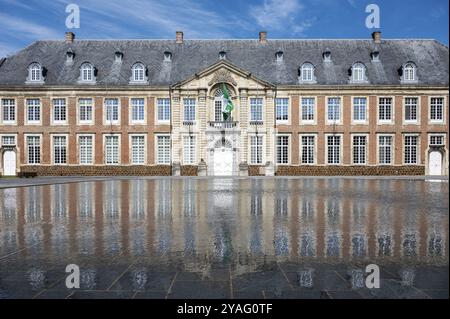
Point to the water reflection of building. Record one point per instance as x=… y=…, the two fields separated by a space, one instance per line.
x=281 y=239
x=333 y=217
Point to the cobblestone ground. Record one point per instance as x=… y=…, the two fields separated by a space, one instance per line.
x=224 y=238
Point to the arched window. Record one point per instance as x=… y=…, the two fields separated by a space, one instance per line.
x=307 y=73
x=409 y=72
x=35 y=72
x=87 y=72
x=138 y=72
x=222 y=55
x=358 y=73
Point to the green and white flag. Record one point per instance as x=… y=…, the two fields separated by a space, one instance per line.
x=227 y=101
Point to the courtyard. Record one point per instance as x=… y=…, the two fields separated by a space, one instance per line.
x=224 y=238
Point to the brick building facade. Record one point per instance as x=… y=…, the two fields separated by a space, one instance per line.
x=154 y=107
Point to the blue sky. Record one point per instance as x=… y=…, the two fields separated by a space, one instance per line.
x=24 y=21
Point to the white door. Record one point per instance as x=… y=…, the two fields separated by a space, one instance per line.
x=9 y=163
x=223 y=161
x=435 y=163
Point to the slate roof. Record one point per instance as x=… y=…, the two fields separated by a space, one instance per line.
x=193 y=56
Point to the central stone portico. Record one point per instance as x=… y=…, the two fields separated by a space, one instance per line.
x=223 y=145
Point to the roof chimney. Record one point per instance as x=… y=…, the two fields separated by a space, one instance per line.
x=263 y=37
x=376 y=36
x=70 y=37
x=179 y=37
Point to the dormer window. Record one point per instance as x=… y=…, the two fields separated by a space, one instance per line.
x=138 y=71
x=70 y=56
x=118 y=56
x=327 y=56
x=167 y=56
x=307 y=73
x=35 y=73
x=279 y=56
x=222 y=55
x=409 y=73
x=375 y=55
x=358 y=73
x=87 y=73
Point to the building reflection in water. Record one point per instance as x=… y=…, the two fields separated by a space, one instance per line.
x=241 y=222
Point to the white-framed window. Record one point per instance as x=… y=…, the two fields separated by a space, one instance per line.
x=35 y=73
x=307 y=73
x=308 y=108
x=282 y=109
x=409 y=72
x=8 y=140
x=359 y=149
x=256 y=149
x=85 y=110
x=86 y=149
x=437 y=139
x=9 y=111
x=138 y=110
x=87 y=72
x=385 y=149
x=33 y=111
x=334 y=110
x=189 y=152
x=163 y=109
x=282 y=149
x=163 y=149
x=59 y=111
x=359 y=109
x=411 y=109
x=189 y=110
x=437 y=109
x=308 y=149
x=411 y=148
x=112 y=111
x=256 y=109
x=138 y=149
x=358 y=73
x=334 y=149
x=218 y=110
x=59 y=149
x=385 y=110
x=112 y=149
x=138 y=71
x=33 y=149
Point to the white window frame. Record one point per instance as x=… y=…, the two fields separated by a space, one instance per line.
x=169 y=113
x=2 y=111
x=307 y=73
x=190 y=151
x=359 y=69
x=261 y=113
x=131 y=136
x=444 y=104
x=27 y=153
x=367 y=149
x=13 y=136
x=137 y=70
x=107 y=122
x=105 y=155
x=189 y=105
x=406 y=79
x=53 y=120
x=92 y=136
x=33 y=122
x=418 y=107
x=52 y=141
x=392 y=153
x=87 y=73
x=392 y=120
x=35 y=73
x=341 y=138
x=289 y=148
x=131 y=111
x=157 y=155
x=366 y=115
x=314 y=106
x=417 y=149
x=288 y=110
x=85 y=122
x=334 y=122
x=315 y=136
x=443 y=135
x=252 y=147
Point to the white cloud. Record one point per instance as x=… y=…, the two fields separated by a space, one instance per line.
x=279 y=15
x=18 y=28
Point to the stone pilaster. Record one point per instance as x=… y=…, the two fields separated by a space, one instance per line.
x=176 y=127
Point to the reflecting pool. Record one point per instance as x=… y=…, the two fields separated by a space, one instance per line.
x=225 y=238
